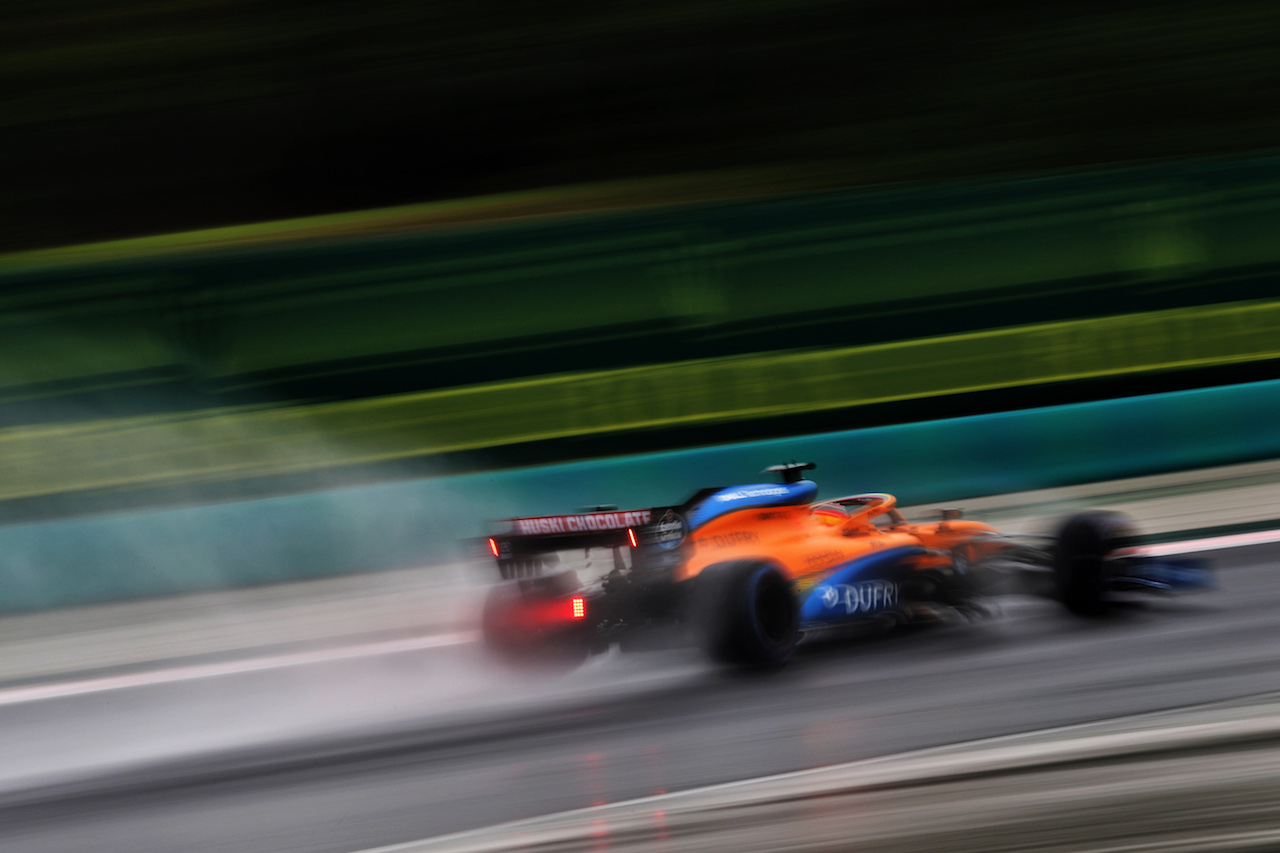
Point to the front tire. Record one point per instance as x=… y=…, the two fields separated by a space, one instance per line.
x=1080 y=559
x=748 y=615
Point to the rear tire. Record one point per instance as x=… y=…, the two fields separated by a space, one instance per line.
x=1079 y=559
x=748 y=615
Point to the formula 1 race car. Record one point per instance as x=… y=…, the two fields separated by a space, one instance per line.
x=749 y=571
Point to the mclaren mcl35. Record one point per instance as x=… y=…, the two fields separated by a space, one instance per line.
x=749 y=572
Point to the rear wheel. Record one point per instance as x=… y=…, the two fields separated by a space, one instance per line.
x=747 y=614
x=1080 y=559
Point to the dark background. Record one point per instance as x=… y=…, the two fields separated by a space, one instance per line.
x=131 y=117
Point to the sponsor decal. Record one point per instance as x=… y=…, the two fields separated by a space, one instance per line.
x=861 y=597
x=589 y=523
x=823 y=558
x=668 y=532
x=757 y=492
x=727 y=540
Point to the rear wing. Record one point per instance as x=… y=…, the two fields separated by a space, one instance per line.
x=523 y=546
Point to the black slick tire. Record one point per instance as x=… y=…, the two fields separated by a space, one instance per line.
x=1080 y=559
x=747 y=615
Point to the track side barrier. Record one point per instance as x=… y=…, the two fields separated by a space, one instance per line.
x=394 y=525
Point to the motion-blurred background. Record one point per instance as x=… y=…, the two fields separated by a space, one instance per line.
x=132 y=118
x=302 y=289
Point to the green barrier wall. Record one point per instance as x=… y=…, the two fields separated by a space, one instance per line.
x=238 y=444
x=100 y=558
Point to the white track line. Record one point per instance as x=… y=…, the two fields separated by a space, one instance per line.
x=77 y=687
x=1213 y=543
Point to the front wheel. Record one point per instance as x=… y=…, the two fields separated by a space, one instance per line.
x=1080 y=559
x=748 y=615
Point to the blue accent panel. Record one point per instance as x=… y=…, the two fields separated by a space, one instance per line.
x=751 y=496
x=857 y=589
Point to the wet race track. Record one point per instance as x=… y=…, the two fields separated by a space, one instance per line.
x=504 y=747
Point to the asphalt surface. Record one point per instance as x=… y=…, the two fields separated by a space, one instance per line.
x=1200 y=779
x=465 y=745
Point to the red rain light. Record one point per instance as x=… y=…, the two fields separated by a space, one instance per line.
x=493 y=546
x=631 y=537
x=547 y=614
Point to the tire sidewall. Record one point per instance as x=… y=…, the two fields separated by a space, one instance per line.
x=735 y=600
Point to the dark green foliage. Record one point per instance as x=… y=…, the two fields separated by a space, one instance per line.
x=133 y=117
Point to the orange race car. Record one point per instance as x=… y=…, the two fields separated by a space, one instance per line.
x=749 y=571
